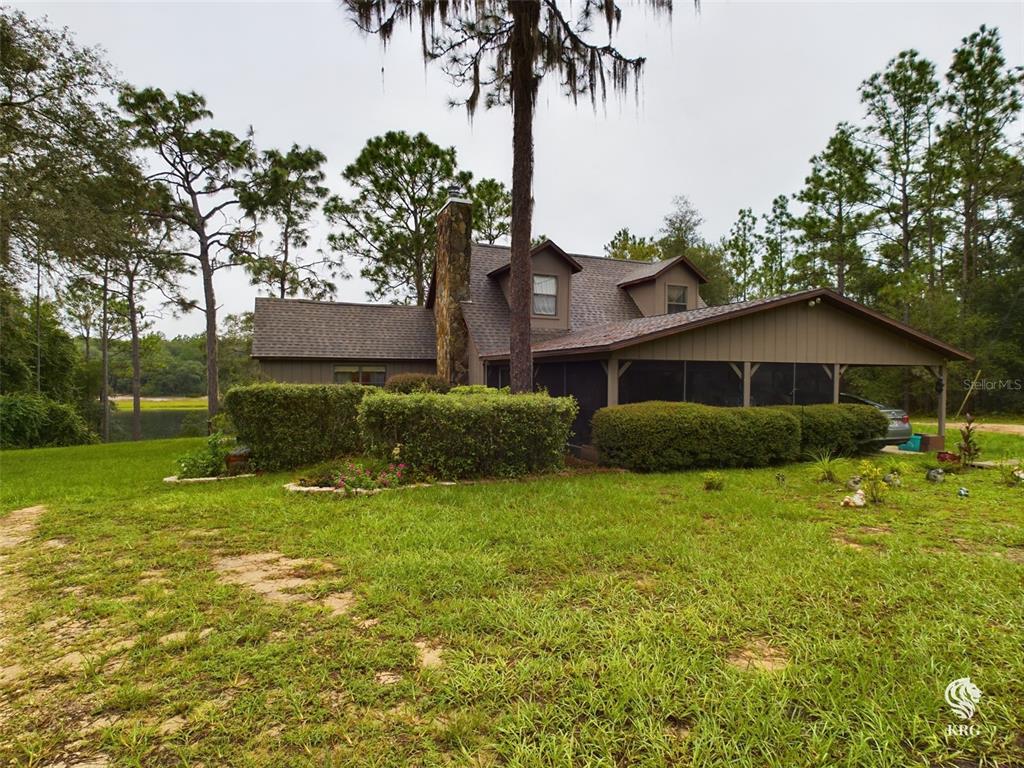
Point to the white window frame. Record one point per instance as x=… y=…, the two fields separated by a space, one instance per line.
x=535 y=294
x=668 y=298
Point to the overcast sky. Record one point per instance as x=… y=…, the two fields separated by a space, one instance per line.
x=734 y=101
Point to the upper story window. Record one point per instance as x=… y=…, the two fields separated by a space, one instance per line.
x=545 y=295
x=676 y=298
x=372 y=375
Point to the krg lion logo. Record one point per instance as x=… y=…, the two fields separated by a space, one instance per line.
x=962 y=695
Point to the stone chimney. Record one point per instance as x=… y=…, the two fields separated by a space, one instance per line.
x=451 y=275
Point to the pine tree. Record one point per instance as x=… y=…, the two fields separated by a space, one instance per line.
x=839 y=197
x=773 y=275
x=200 y=170
x=741 y=246
x=901 y=104
x=501 y=52
x=285 y=188
x=983 y=98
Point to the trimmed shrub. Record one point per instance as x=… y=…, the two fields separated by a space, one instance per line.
x=841 y=430
x=287 y=425
x=661 y=436
x=407 y=383
x=469 y=435
x=33 y=421
x=477 y=389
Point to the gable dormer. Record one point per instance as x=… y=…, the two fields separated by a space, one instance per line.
x=664 y=287
x=552 y=270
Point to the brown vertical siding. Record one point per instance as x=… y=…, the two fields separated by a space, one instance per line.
x=795 y=333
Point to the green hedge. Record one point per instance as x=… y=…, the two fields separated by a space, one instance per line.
x=843 y=430
x=287 y=425
x=661 y=436
x=32 y=421
x=469 y=435
x=416 y=382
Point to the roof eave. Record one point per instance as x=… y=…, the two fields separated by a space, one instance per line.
x=574 y=265
x=681 y=259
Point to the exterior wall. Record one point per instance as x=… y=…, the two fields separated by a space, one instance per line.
x=794 y=333
x=651 y=298
x=477 y=374
x=322 y=371
x=548 y=263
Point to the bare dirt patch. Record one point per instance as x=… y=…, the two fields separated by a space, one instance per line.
x=760 y=656
x=340 y=604
x=677 y=729
x=428 y=654
x=281 y=579
x=842 y=536
x=19 y=526
x=67 y=645
x=388 y=678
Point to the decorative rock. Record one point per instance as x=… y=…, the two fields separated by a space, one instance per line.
x=853 y=483
x=892 y=479
x=935 y=476
x=963 y=493
x=856 y=500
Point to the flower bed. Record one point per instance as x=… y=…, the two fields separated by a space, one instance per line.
x=358 y=477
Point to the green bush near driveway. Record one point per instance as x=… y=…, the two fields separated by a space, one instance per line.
x=33 y=421
x=842 y=430
x=662 y=436
x=469 y=435
x=288 y=425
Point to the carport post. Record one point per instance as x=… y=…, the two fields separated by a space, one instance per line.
x=837 y=374
x=613 y=380
x=941 y=386
x=746 y=384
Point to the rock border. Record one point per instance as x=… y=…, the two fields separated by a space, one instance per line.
x=296 y=488
x=175 y=479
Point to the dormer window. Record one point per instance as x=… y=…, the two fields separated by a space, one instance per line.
x=676 y=298
x=545 y=295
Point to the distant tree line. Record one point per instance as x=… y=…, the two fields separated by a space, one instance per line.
x=111 y=194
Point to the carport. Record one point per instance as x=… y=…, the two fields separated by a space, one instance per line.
x=790 y=350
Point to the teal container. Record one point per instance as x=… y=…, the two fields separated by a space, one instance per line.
x=913 y=444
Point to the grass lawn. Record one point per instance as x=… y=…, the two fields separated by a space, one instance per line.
x=164 y=403
x=598 y=619
x=994 y=445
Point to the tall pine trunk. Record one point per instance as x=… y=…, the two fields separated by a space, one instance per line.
x=905 y=255
x=39 y=326
x=210 y=299
x=105 y=356
x=525 y=17
x=133 y=320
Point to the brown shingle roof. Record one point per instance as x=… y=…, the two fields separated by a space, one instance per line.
x=298 y=328
x=596 y=298
x=651 y=270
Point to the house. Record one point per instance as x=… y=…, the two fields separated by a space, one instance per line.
x=606 y=331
